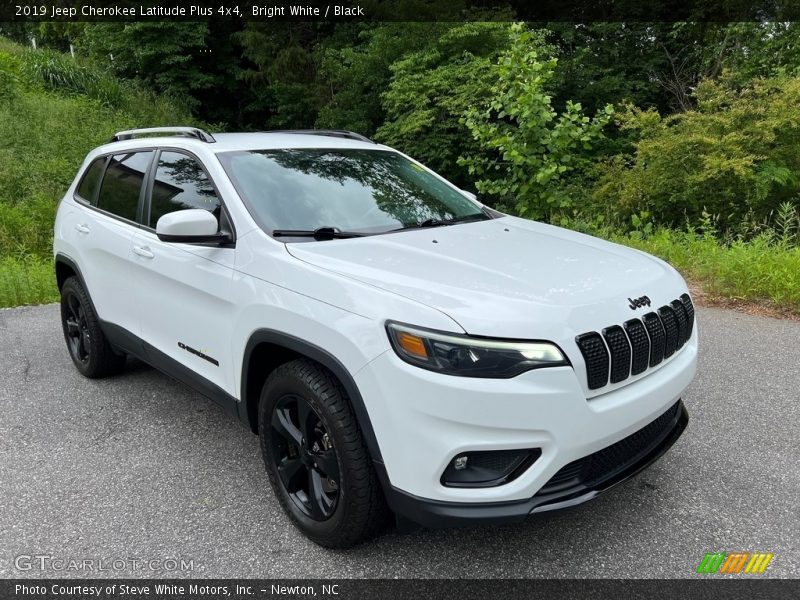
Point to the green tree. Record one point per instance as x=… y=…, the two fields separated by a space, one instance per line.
x=432 y=89
x=530 y=149
x=185 y=60
x=356 y=69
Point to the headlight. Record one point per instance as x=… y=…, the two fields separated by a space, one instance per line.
x=469 y=356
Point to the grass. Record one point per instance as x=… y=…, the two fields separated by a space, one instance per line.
x=28 y=281
x=757 y=271
x=53 y=110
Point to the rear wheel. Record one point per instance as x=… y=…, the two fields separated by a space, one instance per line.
x=316 y=459
x=91 y=353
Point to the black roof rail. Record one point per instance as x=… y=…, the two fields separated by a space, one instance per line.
x=340 y=133
x=194 y=132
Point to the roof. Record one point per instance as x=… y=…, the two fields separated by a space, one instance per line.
x=277 y=140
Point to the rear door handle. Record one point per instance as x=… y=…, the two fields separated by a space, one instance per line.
x=82 y=228
x=143 y=251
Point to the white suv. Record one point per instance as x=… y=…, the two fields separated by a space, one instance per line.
x=396 y=344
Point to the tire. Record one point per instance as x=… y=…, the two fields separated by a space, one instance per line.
x=319 y=470
x=89 y=349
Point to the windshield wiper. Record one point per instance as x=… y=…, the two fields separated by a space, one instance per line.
x=319 y=234
x=441 y=222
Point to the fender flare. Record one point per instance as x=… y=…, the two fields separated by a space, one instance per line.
x=327 y=360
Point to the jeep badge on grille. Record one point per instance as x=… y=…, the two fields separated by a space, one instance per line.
x=639 y=302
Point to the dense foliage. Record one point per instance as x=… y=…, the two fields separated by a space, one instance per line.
x=634 y=130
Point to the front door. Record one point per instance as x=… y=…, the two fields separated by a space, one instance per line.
x=183 y=290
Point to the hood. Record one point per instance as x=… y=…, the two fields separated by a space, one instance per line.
x=505 y=277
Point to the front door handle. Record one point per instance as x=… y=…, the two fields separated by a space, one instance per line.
x=143 y=251
x=81 y=228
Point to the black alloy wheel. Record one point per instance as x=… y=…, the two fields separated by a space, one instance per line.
x=79 y=340
x=304 y=457
x=318 y=464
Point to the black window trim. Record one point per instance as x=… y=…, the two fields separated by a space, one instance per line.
x=146 y=190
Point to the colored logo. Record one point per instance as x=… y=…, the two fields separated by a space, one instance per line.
x=733 y=563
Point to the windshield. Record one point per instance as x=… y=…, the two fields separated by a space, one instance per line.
x=360 y=191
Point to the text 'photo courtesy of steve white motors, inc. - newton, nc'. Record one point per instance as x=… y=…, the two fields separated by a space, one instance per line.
x=125 y=12
x=163 y=590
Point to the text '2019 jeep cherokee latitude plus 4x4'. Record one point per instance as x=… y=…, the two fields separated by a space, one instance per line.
x=395 y=344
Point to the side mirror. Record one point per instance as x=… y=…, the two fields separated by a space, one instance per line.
x=470 y=195
x=190 y=226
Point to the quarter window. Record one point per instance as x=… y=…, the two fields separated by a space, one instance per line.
x=90 y=179
x=181 y=183
x=122 y=183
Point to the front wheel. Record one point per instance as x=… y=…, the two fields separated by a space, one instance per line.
x=316 y=459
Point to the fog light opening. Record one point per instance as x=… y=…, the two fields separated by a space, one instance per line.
x=488 y=468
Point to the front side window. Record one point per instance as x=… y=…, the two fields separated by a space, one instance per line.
x=122 y=183
x=181 y=183
x=91 y=178
x=365 y=191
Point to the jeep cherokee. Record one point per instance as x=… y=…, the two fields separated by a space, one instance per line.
x=397 y=345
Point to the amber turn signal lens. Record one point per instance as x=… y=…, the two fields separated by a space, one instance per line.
x=412 y=344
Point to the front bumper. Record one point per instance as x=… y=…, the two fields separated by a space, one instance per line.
x=561 y=492
x=423 y=419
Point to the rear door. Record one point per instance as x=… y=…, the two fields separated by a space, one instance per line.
x=110 y=196
x=183 y=290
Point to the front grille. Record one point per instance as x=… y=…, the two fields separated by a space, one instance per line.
x=621 y=352
x=591 y=471
x=671 y=327
x=620 y=349
x=640 y=343
x=657 y=335
x=596 y=357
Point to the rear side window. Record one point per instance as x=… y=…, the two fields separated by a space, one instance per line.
x=122 y=183
x=181 y=183
x=91 y=178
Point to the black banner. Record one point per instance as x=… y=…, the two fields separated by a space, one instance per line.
x=403 y=10
x=401 y=589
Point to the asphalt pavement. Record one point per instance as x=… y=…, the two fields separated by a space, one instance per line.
x=140 y=468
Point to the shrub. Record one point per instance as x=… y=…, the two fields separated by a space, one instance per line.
x=735 y=157
x=62 y=73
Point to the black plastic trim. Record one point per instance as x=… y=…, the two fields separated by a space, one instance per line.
x=66 y=260
x=135 y=346
x=219 y=239
x=434 y=513
x=327 y=360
